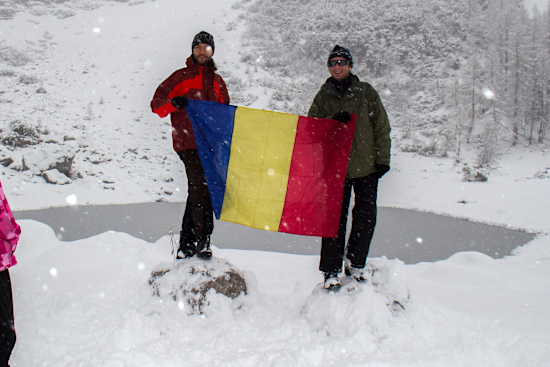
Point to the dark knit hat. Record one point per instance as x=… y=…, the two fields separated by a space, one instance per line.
x=339 y=51
x=203 y=37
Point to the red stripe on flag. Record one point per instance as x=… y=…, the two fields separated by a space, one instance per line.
x=316 y=179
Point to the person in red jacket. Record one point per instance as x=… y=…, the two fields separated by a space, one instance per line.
x=198 y=80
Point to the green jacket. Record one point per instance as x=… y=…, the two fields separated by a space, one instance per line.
x=372 y=143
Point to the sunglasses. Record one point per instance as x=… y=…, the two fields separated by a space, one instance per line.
x=333 y=63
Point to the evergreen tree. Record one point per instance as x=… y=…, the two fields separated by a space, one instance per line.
x=438 y=60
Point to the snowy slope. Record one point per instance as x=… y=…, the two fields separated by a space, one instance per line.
x=100 y=71
x=88 y=303
x=515 y=196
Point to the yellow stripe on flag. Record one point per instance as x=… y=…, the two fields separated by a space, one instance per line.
x=259 y=164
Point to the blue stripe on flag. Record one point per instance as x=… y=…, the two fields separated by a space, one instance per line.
x=213 y=127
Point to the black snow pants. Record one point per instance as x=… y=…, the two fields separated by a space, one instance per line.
x=198 y=219
x=7 y=328
x=333 y=250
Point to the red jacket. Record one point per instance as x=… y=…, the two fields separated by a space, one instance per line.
x=195 y=82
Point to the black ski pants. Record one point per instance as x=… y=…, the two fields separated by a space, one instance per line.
x=198 y=219
x=333 y=250
x=7 y=328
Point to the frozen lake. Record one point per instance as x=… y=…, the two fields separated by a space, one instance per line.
x=409 y=235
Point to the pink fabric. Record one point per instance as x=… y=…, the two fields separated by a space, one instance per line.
x=9 y=233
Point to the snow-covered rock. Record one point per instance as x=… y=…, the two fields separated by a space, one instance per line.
x=53 y=176
x=358 y=307
x=49 y=157
x=474 y=175
x=5 y=157
x=190 y=281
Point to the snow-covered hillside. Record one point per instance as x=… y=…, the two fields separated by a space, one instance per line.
x=88 y=302
x=97 y=72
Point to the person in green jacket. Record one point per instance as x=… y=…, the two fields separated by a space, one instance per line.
x=342 y=95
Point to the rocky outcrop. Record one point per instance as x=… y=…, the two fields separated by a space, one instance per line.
x=49 y=157
x=191 y=280
x=53 y=176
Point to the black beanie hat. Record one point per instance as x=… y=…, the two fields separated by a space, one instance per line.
x=203 y=37
x=339 y=51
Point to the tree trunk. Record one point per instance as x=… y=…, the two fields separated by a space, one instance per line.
x=515 y=128
x=543 y=121
x=473 y=102
x=534 y=75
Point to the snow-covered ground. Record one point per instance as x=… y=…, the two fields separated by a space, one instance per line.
x=89 y=303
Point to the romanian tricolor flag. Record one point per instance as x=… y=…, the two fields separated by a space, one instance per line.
x=270 y=170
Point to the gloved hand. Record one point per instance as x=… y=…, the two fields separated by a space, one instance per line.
x=342 y=116
x=381 y=170
x=179 y=102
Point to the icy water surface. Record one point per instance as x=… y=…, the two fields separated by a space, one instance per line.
x=408 y=235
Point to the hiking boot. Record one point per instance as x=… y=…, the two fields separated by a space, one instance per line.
x=332 y=282
x=359 y=274
x=187 y=248
x=184 y=254
x=204 y=250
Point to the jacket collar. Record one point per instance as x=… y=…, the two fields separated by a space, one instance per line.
x=329 y=88
x=190 y=63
